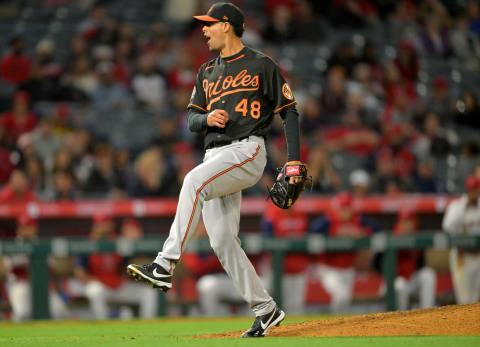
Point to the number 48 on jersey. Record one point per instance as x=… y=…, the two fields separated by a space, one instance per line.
x=253 y=109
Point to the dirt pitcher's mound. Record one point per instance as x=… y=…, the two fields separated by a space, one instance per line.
x=446 y=320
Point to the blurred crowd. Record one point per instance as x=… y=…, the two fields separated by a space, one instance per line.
x=105 y=116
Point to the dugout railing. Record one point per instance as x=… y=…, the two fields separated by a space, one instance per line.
x=40 y=250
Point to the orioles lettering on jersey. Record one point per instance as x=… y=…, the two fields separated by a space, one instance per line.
x=225 y=85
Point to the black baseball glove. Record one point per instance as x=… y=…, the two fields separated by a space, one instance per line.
x=283 y=193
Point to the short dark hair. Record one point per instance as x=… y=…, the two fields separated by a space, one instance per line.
x=239 y=29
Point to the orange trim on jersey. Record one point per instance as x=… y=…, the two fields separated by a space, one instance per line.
x=228 y=93
x=239 y=57
x=199 y=107
x=207 y=182
x=209 y=67
x=278 y=109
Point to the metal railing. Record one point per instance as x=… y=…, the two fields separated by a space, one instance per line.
x=253 y=244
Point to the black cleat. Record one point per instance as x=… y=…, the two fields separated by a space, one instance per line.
x=152 y=273
x=263 y=323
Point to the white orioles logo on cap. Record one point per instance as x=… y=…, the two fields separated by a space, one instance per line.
x=287 y=92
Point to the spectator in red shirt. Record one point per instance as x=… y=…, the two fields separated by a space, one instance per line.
x=182 y=74
x=101 y=274
x=124 y=62
x=291 y=223
x=19 y=120
x=394 y=160
x=352 y=136
x=400 y=94
x=407 y=61
x=413 y=276
x=336 y=270
x=15 y=67
x=403 y=158
x=17 y=189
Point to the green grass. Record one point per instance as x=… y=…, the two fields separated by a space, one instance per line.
x=180 y=332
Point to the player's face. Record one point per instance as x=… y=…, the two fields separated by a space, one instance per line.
x=214 y=33
x=345 y=213
x=407 y=226
x=27 y=232
x=473 y=195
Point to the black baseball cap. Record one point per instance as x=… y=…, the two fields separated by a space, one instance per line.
x=223 y=12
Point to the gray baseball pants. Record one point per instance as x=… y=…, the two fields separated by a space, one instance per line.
x=213 y=189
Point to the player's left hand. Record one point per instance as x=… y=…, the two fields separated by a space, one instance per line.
x=289 y=184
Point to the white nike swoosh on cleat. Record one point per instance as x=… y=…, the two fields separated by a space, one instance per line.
x=150 y=279
x=264 y=326
x=157 y=275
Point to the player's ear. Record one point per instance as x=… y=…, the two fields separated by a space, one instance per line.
x=226 y=26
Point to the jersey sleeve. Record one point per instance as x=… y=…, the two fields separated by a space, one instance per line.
x=277 y=89
x=198 y=99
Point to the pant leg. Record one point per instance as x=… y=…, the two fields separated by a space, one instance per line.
x=97 y=295
x=137 y=293
x=476 y=285
x=58 y=307
x=294 y=288
x=459 y=279
x=402 y=292
x=222 y=217
x=425 y=283
x=225 y=170
x=471 y=272
x=19 y=294
x=213 y=289
x=339 y=285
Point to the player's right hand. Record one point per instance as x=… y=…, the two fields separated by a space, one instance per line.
x=217 y=118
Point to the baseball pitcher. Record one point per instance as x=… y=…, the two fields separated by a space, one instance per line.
x=235 y=98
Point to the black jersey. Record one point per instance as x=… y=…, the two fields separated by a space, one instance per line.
x=249 y=86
